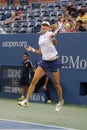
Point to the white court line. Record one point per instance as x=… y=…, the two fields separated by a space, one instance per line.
x=38 y=124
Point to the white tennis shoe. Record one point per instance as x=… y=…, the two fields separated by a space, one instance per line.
x=59 y=106
x=23 y=103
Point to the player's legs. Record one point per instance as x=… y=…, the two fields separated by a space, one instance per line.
x=38 y=74
x=56 y=80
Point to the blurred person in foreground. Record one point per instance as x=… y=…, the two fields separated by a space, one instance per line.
x=49 y=63
x=26 y=75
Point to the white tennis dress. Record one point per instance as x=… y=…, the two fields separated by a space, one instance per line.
x=47 y=48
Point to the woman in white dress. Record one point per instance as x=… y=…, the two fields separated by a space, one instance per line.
x=49 y=63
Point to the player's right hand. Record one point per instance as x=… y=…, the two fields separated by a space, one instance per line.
x=29 y=48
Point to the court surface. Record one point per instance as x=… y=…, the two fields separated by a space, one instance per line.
x=41 y=116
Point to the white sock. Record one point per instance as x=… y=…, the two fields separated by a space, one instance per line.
x=26 y=100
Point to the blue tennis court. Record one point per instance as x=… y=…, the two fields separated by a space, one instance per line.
x=10 y=124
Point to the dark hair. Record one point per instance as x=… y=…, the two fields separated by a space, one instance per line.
x=26 y=54
x=79 y=21
x=81 y=11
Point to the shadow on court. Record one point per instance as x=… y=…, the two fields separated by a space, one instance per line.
x=41 y=116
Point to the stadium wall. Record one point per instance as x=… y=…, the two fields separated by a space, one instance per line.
x=72 y=50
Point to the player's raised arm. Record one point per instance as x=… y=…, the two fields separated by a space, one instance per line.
x=30 y=48
x=53 y=39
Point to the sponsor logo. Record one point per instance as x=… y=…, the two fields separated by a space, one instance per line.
x=70 y=62
x=14 y=44
x=16 y=90
x=14 y=73
x=38 y=97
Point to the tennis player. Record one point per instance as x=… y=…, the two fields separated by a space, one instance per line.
x=49 y=63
